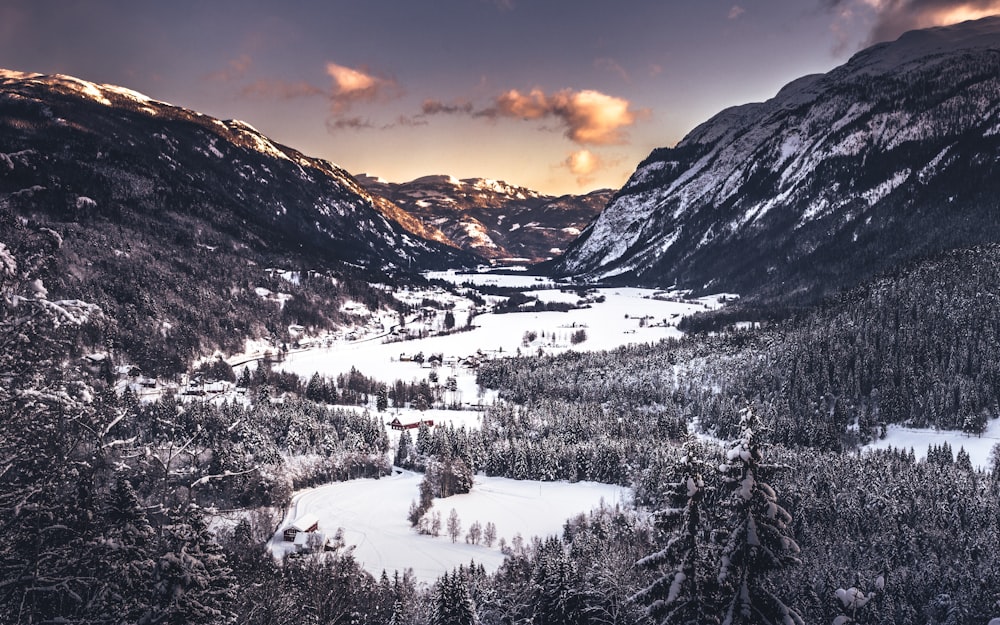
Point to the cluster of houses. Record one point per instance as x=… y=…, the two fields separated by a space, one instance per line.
x=439 y=360
x=131 y=377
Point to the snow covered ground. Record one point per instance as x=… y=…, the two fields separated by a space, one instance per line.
x=979 y=447
x=373 y=513
x=625 y=316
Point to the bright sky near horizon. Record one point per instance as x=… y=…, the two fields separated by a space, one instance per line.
x=561 y=96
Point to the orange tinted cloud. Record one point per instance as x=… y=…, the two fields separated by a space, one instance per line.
x=583 y=164
x=590 y=117
x=352 y=85
x=894 y=17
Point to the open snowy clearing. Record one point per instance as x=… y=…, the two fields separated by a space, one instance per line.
x=625 y=316
x=979 y=447
x=373 y=513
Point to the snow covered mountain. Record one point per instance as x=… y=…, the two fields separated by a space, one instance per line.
x=79 y=148
x=891 y=156
x=191 y=233
x=493 y=218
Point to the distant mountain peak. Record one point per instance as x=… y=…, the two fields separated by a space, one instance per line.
x=493 y=218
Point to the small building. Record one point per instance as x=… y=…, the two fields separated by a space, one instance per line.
x=308 y=522
x=396 y=424
x=145 y=382
x=308 y=542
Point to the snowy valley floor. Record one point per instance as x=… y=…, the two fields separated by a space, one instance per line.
x=373 y=513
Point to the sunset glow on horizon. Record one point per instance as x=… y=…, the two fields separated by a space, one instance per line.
x=560 y=96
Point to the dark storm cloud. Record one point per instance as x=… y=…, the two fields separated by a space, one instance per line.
x=406 y=121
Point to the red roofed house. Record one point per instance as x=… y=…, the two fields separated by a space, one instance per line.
x=396 y=424
x=308 y=522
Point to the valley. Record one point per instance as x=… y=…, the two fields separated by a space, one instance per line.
x=757 y=384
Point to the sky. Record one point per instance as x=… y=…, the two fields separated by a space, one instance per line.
x=561 y=96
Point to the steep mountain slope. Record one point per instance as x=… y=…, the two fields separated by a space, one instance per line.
x=891 y=156
x=123 y=150
x=169 y=220
x=493 y=218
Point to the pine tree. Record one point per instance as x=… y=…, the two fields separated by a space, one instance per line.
x=50 y=441
x=453 y=604
x=444 y=610
x=758 y=542
x=558 y=595
x=423 y=438
x=314 y=389
x=404 y=450
x=192 y=583
x=124 y=561
x=680 y=595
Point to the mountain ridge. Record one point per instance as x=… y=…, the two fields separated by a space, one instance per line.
x=493 y=218
x=169 y=220
x=839 y=176
x=324 y=176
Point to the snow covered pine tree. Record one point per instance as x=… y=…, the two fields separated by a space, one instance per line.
x=678 y=597
x=758 y=543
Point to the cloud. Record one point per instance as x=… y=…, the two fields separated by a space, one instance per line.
x=588 y=117
x=735 y=12
x=436 y=107
x=583 y=164
x=269 y=88
x=406 y=121
x=348 y=123
x=885 y=20
x=612 y=66
x=236 y=69
x=351 y=85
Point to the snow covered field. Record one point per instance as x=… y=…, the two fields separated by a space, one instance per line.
x=625 y=316
x=373 y=513
x=979 y=447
